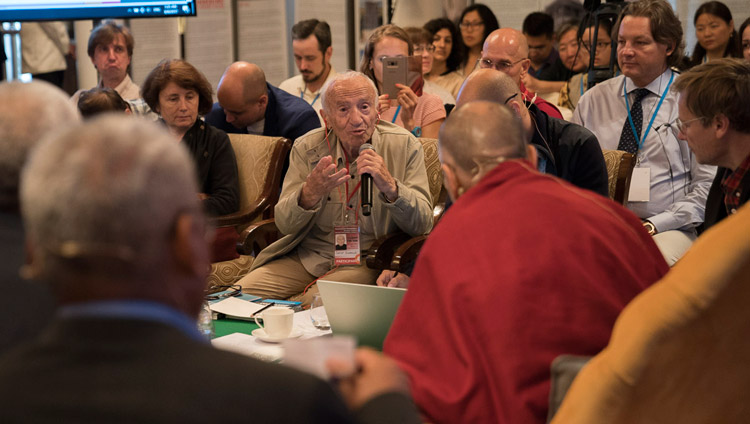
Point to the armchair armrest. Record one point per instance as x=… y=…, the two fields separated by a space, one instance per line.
x=256 y=209
x=406 y=254
x=257 y=237
x=381 y=252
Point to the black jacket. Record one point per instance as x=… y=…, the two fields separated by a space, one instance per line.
x=715 y=209
x=570 y=152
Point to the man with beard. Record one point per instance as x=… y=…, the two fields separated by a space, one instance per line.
x=311 y=42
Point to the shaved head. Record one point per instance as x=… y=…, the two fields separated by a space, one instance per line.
x=509 y=46
x=243 y=94
x=479 y=135
x=488 y=85
x=245 y=78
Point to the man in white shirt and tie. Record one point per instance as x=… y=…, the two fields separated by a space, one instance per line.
x=636 y=112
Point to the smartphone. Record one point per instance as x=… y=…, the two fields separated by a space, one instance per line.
x=395 y=71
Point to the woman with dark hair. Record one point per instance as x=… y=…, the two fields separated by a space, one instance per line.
x=100 y=100
x=180 y=94
x=745 y=34
x=418 y=112
x=476 y=23
x=446 y=58
x=714 y=29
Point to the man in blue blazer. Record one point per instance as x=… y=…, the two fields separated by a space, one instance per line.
x=249 y=105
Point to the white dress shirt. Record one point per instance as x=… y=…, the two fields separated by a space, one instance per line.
x=679 y=185
x=296 y=86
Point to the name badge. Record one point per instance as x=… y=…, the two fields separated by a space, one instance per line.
x=640 y=185
x=346 y=245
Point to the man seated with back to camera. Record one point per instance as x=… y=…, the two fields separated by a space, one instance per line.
x=523 y=268
x=321 y=196
x=563 y=149
x=122 y=244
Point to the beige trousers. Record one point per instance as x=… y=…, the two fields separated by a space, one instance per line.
x=285 y=277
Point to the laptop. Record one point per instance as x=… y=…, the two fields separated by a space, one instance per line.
x=360 y=310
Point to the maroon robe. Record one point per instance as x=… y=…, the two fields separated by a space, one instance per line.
x=524 y=267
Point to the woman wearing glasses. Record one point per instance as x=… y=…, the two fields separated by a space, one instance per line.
x=418 y=112
x=421 y=39
x=745 y=33
x=572 y=56
x=476 y=23
x=578 y=84
x=446 y=58
x=714 y=29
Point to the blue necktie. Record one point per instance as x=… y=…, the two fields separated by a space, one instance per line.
x=628 y=140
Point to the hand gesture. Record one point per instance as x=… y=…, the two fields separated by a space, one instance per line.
x=390 y=278
x=377 y=375
x=321 y=181
x=369 y=162
x=408 y=101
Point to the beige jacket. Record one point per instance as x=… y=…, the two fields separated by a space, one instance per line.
x=404 y=158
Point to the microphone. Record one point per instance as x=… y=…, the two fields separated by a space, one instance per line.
x=365 y=190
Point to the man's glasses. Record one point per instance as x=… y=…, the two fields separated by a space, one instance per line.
x=679 y=126
x=421 y=49
x=500 y=65
x=471 y=25
x=230 y=290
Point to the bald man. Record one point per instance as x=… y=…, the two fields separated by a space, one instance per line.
x=495 y=304
x=506 y=50
x=250 y=105
x=566 y=150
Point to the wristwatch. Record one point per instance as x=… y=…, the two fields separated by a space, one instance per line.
x=417 y=131
x=649 y=227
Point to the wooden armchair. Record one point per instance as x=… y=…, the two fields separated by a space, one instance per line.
x=261 y=234
x=619 y=170
x=260 y=161
x=399 y=251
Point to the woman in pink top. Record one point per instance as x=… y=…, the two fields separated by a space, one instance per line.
x=418 y=112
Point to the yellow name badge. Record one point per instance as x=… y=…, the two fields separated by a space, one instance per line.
x=346 y=245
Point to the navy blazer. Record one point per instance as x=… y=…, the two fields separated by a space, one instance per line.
x=286 y=116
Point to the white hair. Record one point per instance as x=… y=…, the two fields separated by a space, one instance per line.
x=108 y=190
x=345 y=76
x=28 y=112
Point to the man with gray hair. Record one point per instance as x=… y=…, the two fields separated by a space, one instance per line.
x=122 y=244
x=494 y=304
x=321 y=194
x=566 y=150
x=28 y=113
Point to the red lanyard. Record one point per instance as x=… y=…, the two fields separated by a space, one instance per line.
x=349 y=196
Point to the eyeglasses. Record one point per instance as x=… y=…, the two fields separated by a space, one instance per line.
x=683 y=125
x=500 y=65
x=421 y=48
x=471 y=25
x=510 y=98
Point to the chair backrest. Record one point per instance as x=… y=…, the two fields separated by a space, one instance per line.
x=620 y=166
x=434 y=175
x=679 y=351
x=259 y=163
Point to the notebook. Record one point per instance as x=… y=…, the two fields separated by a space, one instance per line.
x=360 y=310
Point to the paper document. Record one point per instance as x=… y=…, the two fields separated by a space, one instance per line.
x=237 y=308
x=247 y=345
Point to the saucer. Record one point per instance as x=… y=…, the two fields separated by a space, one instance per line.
x=261 y=334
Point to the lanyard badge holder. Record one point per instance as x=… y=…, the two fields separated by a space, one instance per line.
x=640 y=181
x=346 y=237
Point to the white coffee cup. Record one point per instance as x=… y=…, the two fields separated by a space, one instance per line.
x=277 y=321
